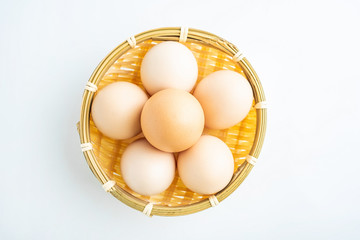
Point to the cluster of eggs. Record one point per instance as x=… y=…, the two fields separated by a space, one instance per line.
x=172 y=120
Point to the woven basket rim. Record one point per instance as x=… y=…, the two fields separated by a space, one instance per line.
x=173 y=34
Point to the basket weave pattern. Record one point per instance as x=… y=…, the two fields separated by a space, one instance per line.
x=123 y=64
x=239 y=138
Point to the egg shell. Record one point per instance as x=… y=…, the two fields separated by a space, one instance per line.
x=147 y=170
x=116 y=110
x=226 y=97
x=207 y=167
x=169 y=65
x=172 y=120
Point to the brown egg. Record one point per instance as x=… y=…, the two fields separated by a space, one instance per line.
x=169 y=65
x=207 y=167
x=147 y=170
x=172 y=120
x=116 y=110
x=226 y=97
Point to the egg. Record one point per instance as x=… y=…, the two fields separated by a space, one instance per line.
x=207 y=167
x=116 y=110
x=226 y=97
x=172 y=120
x=169 y=65
x=147 y=170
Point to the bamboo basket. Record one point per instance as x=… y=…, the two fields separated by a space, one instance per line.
x=123 y=64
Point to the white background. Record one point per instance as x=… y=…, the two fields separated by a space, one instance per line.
x=306 y=184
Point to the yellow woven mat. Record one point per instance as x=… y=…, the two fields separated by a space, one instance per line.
x=239 y=138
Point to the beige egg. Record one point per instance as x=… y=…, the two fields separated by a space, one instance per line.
x=169 y=65
x=147 y=170
x=116 y=110
x=172 y=120
x=226 y=97
x=207 y=167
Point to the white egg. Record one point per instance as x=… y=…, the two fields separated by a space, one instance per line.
x=169 y=65
x=207 y=167
x=226 y=97
x=116 y=110
x=147 y=170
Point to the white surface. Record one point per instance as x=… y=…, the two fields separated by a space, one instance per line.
x=306 y=183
